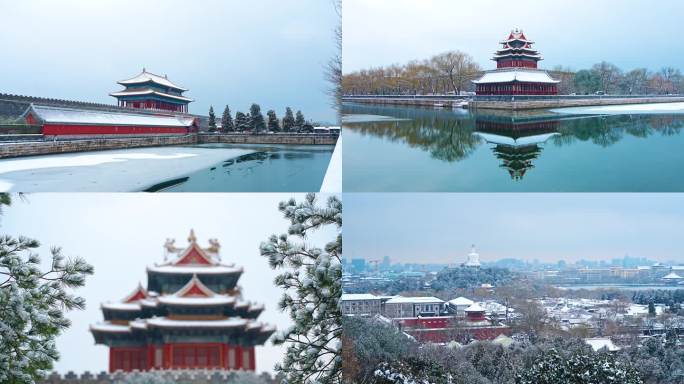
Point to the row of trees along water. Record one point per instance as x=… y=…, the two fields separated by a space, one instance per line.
x=253 y=121
x=453 y=72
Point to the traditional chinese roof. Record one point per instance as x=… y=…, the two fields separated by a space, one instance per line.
x=195 y=260
x=475 y=308
x=522 y=75
x=516 y=142
x=73 y=116
x=672 y=276
x=148 y=77
x=147 y=315
x=461 y=301
x=149 y=91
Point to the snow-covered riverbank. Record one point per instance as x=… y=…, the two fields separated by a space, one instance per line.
x=112 y=171
x=654 y=108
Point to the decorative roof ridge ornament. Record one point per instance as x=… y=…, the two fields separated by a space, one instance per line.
x=192 y=238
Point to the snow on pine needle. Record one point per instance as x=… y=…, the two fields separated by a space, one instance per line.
x=311 y=281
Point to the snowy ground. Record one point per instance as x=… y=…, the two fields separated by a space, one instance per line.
x=655 y=108
x=332 y=182
x=109 y=171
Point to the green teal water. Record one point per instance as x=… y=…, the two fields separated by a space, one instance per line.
x=422 y=149
x=271 y=168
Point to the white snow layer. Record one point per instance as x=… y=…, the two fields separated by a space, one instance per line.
x=332 y=182
x=123 y=170
x=624 y=109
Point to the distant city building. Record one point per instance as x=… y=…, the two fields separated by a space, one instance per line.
x=361 y=304
x=459 y=305
x=150 y=91
x=190 y=316
x=473 y=260
x=399 y=306
x=516 y=70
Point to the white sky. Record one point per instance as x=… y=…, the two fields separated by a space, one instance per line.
x=577 y=33
x=121 y=234
x=269 y=52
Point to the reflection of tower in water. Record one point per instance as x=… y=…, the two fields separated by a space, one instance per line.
x=518 y=141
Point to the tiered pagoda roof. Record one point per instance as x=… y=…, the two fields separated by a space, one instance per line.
x=150 y=91
x=516 y=70
x=189 y=298
x=515 y=46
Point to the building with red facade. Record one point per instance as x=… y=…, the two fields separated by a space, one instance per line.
x=56 y=121
x=474 y=325
x=150 y=91
x=516 y=70
x=190 y=316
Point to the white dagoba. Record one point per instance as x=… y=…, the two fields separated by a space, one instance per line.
x=473 y=260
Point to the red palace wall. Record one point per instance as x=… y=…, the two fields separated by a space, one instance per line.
x=182 y=356
x=440 y=330
x=66 y=129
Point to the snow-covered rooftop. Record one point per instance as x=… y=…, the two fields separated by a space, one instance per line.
x=195 y=269
x=475 y=308
x=214 y=300
x=171 y=323
x=516 y=74
x=461 y=301
x=358 y=296
x=672 y=276
x=597 y=343
x=122 y=306
x=109 y=327
x=149 y=92
x=145 y=77
x=417 y=300
x=60 y=115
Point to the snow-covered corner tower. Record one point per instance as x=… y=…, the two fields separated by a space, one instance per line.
x=190 y=316
x=517 y=71
x=473 y=260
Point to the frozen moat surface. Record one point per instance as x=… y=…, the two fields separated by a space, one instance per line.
x=179 y=168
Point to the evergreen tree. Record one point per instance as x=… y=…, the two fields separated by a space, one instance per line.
x=288 y=120
x=258 y=123
x=651 y=309
x=580 y=368
x=311 y=283
x=212 y=119
x=33 y=303
x=299 y=120
x=273 y=123
x=241 y=122
x=227 y=121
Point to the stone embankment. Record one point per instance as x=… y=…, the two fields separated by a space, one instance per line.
x=511 y=103
x=39 y=145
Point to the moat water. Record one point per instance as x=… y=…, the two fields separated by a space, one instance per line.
x=198 y=168
x=390 y=148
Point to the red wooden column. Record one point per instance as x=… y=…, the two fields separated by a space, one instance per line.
x=252 y=359
x=238 y=357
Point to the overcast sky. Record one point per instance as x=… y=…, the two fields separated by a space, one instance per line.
x=225 y=52
x=440 y=227
x=121 y=234
x=577 y=34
